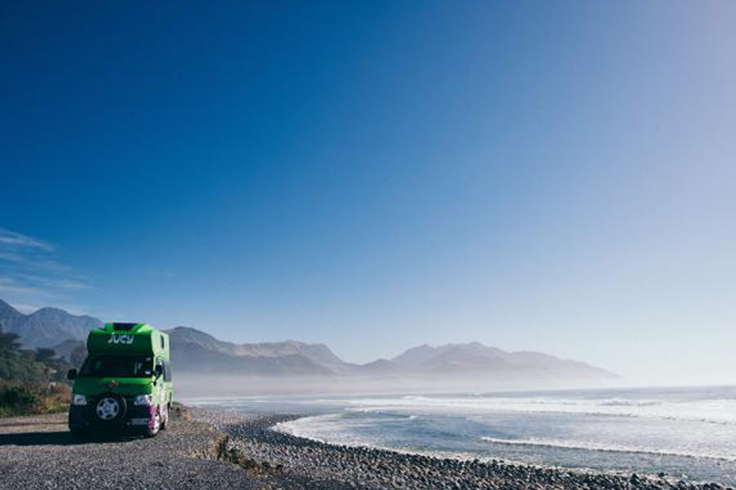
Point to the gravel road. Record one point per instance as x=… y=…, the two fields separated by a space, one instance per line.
x=38 y=452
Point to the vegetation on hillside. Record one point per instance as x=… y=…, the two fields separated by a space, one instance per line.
x=31 y=381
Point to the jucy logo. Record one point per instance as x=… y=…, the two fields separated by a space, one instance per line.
x=120 y=338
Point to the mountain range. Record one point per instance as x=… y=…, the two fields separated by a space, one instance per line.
x=197 y=353
x=45 y=327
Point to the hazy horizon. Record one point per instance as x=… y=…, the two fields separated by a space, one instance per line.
x=375 y=177
x=373 y=385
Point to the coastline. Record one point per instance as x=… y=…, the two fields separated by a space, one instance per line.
x=218 y=449
x=307 y=463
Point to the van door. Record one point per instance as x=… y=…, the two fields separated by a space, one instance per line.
x=167 y=380
x=159 y=391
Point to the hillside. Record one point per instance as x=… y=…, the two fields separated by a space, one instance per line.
x=197 y=352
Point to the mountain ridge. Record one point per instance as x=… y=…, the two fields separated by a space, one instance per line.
x=46 y=326
x=195 y=351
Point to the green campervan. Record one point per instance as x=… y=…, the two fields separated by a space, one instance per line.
x=125 y=382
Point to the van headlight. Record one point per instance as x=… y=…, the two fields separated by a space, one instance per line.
x=143 y=400
x=79 y=400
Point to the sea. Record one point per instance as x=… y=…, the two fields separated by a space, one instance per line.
x=687 y=433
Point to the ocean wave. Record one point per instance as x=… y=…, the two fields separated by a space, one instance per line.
x=330 y=428
x=713 y=411
x=606 y=447
x=335 y=428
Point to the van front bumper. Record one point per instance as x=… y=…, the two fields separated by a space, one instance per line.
x=84 y=418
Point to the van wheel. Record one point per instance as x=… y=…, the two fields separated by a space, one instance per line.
x=152 y=431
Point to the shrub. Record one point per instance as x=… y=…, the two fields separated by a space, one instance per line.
x=24 y=398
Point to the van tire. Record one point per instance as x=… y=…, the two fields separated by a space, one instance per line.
x=122 y=408
x=152 y=432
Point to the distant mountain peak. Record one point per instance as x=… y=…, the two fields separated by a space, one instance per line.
x=46 y=326
x=317 y=353
x=6 y=307
x=181 y=329
x=50 y=311
x=480 y=361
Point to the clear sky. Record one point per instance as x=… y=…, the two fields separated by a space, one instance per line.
x=554 y=176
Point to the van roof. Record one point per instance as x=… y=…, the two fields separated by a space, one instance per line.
x=124 y=325
x=128 y=337
x=131 y=327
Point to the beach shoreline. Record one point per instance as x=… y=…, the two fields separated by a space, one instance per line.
x=300 y=460
x=220 y=449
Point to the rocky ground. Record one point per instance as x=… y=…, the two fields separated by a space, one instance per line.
x=38 y=452
x=216 y=450
x=302 y=463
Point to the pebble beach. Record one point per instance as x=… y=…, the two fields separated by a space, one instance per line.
x=210 y=449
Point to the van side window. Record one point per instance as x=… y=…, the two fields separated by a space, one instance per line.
x=167 y=371
x=162 y=342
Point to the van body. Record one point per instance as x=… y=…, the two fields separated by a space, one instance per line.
x=125 y=381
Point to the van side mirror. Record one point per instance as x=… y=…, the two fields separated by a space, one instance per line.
x=71 y=375
x=158 y=371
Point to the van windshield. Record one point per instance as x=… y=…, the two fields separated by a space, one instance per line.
x=117 y=367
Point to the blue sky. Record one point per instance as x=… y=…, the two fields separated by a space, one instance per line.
x=555 y=176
